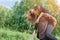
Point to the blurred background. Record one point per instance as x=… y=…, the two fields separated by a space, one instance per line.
x=13 y=23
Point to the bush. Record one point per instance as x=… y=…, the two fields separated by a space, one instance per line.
x=6 y=34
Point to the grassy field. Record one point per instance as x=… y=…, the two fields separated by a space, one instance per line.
x=6 y=34
x=14 y=35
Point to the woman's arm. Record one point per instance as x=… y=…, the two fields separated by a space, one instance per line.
x=37 y=21
x=51 y=19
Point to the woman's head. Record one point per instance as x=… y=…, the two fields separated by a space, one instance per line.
x=35 y=12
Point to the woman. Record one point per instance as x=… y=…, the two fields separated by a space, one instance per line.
x=40 y=17
x=51 y=24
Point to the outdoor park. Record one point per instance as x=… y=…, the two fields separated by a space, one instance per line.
x=13 y=22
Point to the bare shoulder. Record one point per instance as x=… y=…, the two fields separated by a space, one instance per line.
x=50 y=16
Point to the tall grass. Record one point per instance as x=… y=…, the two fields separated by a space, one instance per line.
x=6 y=34
x=13 y=35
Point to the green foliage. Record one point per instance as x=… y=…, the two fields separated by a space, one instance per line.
x=6 y=34
x=3 y=13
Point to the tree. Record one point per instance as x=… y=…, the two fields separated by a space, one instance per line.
x=52 y=5
x=3 y=13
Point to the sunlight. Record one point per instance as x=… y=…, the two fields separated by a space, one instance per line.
x=57 y=2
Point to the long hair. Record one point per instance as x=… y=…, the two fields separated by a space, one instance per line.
x=41 y=9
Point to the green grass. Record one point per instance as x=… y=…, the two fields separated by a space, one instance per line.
x=58 y=37
x=14 y=35
x=6 y=34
